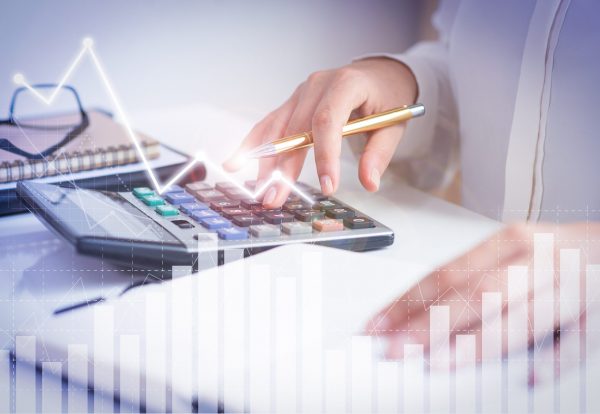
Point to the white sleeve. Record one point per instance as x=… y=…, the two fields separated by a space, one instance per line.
x=428 y=152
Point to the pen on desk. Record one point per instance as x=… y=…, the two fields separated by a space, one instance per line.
x=356 y=126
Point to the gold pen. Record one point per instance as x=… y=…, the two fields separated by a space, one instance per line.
x=356 y=126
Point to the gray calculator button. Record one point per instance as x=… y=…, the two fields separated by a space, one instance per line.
x=297 y=227
x=265 y=230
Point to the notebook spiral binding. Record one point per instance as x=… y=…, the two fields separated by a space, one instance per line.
x=75 y=161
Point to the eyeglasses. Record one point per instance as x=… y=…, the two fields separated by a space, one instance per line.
x=74 y=124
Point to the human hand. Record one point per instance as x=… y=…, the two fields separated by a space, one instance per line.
x=460 y=284
x=323 y=104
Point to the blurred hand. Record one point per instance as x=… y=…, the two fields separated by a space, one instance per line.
x=460 y=284
x=323 y=104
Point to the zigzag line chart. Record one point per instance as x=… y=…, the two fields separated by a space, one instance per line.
x=88 y=50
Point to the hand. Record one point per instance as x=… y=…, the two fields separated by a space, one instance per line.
x=323 y=104
x=461 y=283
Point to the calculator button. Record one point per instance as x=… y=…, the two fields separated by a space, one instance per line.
x=167 y=211
x=250 y=184
x=308 y=215
x=231 y=212
x=210 y=195
x=358 y=223
x=265 y=230
x=223 y=186
x=317 y=195
x=326 y=204
x=198 y=186
x=250 y=203
x=173 y=189
x=221 y=204
x=296 y=227
x=236 y=194
x=339 y=213
x=262 y=211
x=183 y=224
x=187 y=208
x=215 y=223
x=200 y=215
x=153 y=200
x=278 y=217
x=245 y=221
x=140 y=192
x=294 y=205
x=328 y=225
x=292 y=198
x=180 y=198
x=233 y=233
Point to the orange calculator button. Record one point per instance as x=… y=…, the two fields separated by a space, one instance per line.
x=328 y=225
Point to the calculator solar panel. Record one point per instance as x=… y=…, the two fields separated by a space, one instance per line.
x=144 y=226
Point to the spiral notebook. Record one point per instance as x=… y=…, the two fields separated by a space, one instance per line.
x=104 y=143
x=102 y=157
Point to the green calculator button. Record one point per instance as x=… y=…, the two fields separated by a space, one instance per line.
x=167 y=211
x=140 y=192
x=153 y=200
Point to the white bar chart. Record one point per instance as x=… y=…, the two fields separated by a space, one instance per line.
x=491 y=352
x=129 y=350
x=517 y=333
x=260 y=339
x=466 y=355
x=259 y=343
x=78 y=377
x=234 y=356
x=25 y=353
x=181 y=324
x=414 y=367
x=362 y=374
x=286 y=391
x=104 y=384
x=156 y=351
x=388 y=386
x=208 y=366
x=439 y=358
x=336 y=400
x=592 y=362
x=543 y=312
x=51 y=387
x=5 y=380
x=312 y=333
x=570 y=344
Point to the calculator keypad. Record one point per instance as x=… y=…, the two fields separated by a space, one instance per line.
x=226 y=210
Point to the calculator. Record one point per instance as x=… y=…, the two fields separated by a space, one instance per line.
x=144 y=229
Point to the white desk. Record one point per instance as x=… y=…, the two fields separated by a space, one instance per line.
x=40 y=272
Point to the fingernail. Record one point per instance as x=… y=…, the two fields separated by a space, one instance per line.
x=375 y=178
x=326 y=185
x=269 y=196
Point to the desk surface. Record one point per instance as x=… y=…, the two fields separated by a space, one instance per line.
x=40 y=272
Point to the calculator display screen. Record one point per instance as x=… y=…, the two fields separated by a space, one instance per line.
x=105 y=215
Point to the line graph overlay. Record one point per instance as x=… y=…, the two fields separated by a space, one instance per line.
x=87 y=49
